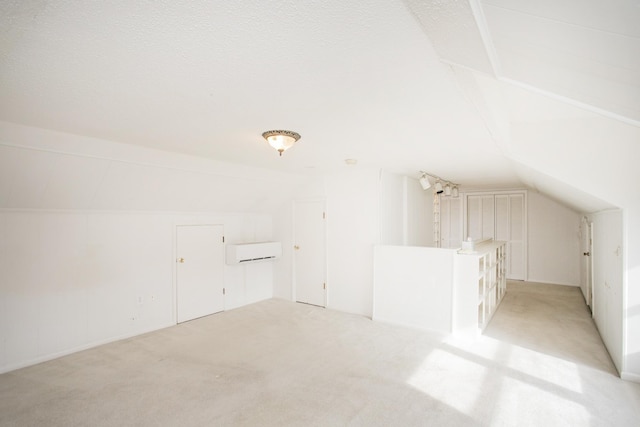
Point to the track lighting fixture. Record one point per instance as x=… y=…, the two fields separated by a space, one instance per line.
x=441 y=186
x=424 y=182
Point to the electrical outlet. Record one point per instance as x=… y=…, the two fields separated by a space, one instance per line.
x=140 y=300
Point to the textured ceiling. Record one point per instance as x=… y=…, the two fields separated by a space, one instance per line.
x=356 y=79
x=400 y=85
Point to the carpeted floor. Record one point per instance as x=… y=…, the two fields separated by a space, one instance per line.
x=276 y=363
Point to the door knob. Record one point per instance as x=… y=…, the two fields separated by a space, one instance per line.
x=296 y=247
x=586 y=253
x=180 y=260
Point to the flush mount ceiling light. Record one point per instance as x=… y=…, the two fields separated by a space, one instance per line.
x=441 y=186
x=281 y=140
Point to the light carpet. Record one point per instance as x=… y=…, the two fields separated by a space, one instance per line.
x=275 y=363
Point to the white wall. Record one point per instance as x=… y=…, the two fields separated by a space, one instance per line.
x=419 y=214
x=631 y=292
x=42 y=169
x=353 y=228
x=406 y=211
x=608 y=287
x=87 y=237
x=71 y=280
x=363 y=206
x=392 y=208
x=554 y=241
x=414 y=287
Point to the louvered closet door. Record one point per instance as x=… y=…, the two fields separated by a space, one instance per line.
x=480 y=217
x=510 y=228
x=501 y=217
x=516 y=256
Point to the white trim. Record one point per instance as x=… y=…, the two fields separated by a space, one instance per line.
x=545 y=282
x=294 y=285
x=629 y=376
x=51 y=356
x=124 y=212
x=205 y=165
x=624 y=296
x=575 y=103
x=485 y=35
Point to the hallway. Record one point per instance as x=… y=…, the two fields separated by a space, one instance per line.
x=552 y=320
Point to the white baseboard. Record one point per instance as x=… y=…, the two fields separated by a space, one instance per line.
x=34 y=361
x=629 y=376
x=542 y=282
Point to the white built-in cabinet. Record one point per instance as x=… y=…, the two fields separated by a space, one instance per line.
x=608 y=281
x=501 y=216
x=483 y=271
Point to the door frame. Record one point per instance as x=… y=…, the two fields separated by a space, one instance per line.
x=174 y=264
x=294 y=285
x=586 y=230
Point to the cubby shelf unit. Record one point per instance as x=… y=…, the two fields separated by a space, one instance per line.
x=449 y=291
x=485 y=268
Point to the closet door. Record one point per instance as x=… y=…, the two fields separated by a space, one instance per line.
x=517 y=255
x=510 y=222
x=309 y=261
x=451 y=222
x=501 y=216
x=480 y=217
x=199 y=271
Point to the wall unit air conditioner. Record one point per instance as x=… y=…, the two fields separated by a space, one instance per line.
x=240 y=253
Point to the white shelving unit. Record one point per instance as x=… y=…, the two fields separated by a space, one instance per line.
x=445 y=290
x=483 y=271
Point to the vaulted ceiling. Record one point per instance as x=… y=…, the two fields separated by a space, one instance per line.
x=496 y=93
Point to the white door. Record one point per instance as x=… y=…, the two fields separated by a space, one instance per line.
x=451 y=222
x=501 y=217
x=510 y=227
x=585 y=271
x=607 y=297
x=480 y=217
x=310 y=252
x=199 y=275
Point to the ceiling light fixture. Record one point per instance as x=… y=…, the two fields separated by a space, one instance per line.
x=424 y=182
x=281 y=140
x=441 y=186
x=438 y=187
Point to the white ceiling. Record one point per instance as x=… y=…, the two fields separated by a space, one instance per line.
x=406 y=86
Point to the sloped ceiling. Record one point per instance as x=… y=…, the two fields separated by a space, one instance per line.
x=406 y=86
x=562 y=93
